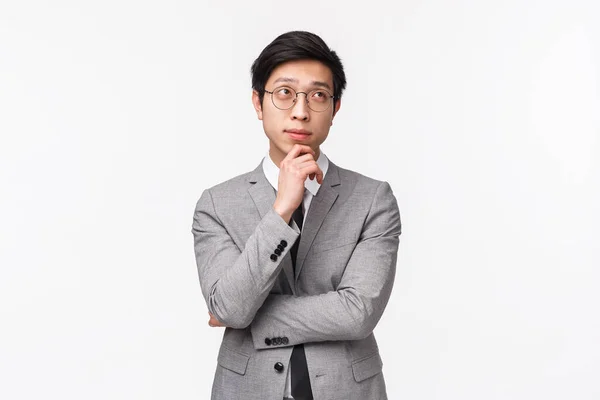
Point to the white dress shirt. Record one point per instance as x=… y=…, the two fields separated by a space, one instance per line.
x=311 y=187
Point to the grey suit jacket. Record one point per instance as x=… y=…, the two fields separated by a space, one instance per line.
x=345 y=269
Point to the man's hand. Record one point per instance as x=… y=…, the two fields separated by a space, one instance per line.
x=215 y=323
x=293 y=171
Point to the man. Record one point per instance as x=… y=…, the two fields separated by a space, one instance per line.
x=297 y=258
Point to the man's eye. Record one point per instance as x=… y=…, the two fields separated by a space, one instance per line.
x=320 y=96
x=283 y=92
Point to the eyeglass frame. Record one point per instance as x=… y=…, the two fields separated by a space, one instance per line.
x=297 y=93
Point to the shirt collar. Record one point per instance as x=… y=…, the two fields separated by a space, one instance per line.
x=272 y=172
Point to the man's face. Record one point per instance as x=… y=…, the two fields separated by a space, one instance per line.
x=301 y=76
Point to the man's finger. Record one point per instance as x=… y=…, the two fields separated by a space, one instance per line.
x=213 y=322
x=297 y=150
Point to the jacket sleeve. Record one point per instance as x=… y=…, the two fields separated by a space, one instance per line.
x=354 y=309
x=235 y=283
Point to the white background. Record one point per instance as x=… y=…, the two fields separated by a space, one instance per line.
x=482 y=115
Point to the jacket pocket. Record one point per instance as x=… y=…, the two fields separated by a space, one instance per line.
x=232 y=360
x=367 y=367
x=331 y=244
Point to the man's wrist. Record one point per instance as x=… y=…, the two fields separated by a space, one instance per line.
x=286 y=215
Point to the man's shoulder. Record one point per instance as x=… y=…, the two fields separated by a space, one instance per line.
x=357 y=179
x=232 y=186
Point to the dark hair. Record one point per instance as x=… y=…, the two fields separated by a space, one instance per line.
x=296 y=45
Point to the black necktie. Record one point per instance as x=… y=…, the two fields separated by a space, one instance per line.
x=298 y=217
x=301 y=389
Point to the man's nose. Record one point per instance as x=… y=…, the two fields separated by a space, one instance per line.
x=300 y=108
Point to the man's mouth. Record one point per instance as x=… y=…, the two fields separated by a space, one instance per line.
x=298 y=133
x=302 y=131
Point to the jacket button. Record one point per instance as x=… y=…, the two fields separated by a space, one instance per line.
x=274 y=257
x=277 y=251
x=280 y=247
x=267 y=341
x=285 y=340
x=278 y=366
x=283 y=243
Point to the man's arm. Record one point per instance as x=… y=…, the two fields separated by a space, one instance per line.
x=235 y=283
x=354 y=309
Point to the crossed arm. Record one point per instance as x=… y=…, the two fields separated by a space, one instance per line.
x=236 y=284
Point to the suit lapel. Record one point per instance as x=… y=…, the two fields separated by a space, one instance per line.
x=318 y=210
x=263 y=195
x=261 y=191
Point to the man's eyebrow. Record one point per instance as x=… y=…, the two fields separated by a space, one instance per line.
x=286 y=79
x=294 y=80
x=322 y=84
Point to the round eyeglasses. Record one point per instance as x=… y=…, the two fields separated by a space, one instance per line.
x=285 y=97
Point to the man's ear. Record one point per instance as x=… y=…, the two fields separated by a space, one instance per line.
x=338 y=104
x=257 y=105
